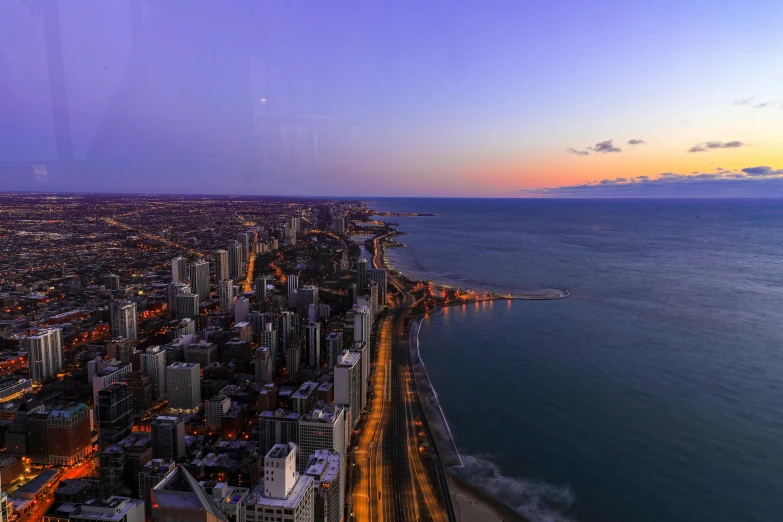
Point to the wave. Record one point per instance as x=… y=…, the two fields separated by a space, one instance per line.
x=536 y=501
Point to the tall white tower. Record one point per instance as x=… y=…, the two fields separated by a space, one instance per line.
x=123 y=319
x=44 y=354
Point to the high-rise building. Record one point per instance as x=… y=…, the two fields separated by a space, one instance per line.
x=214 y=409
x=153 y=364
x=292 y=281
x=261 y=290
x=178 y=496
x=293 y=357
x=187 y=306
x=198 y=274
x=123 y=319
x=362 y=281
x=321 y=429
x=183 y=387
x=226 y=293
x=111 y=281
x=327 y=469
x=141 y=389
x=112 y=467
x=240 y=353
x=303 y=399
x=244 y=331
x=108 y=375
x=179 y=270
x=235 y=260
x=348 y=384
x=281 y=489
x=68 y=434
x=203 y=353
x=44 y=354
x=114 y=412
x=277 y=427
x=313 y=344
x=246 y=240
x=308 y=295
x=221 y=265
x=338 y=224
x=379 y=275
x=361 y=348
x=168 y=437
x=150 y=475
x=175 y=289
x=362 y=326
x=263 y=367
x=241 y=310
x=121 y=350
x=334 y=347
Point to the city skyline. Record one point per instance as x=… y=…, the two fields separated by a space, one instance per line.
x=502 y=100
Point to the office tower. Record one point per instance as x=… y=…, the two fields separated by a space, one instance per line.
x=241 y=310
x=221 y=265
x=293 y=357
x=277 y=427
x=38 y=436
x=269 y=340
x=141 y=389
x=240 y=353
x=243 y=331
x=107 y=376
x=348 y=384
x=282 y=488
x=114 y=412
x=214 y=409
x=246 y=240
x=296 y=224
x=304 y=398
x=44 y=354
x=121 y=350
x=313 y=344
x=338 y=225
x=123 y=319
x=3 y=506
x=292 y=280
x=362 y=326
x=153 y=364
x=261 y=290
x=352 y=294
x=327 y=469
x=187 y=306
x=183 y=387
x=361 y=348
x=226 y=293
x=179 y=497
x=198 y=274
x=68 y=434
x=308 y=295
x=179 y=270
x=334 y=347
x=111 y=281
x=323 y=428
x=168 y=437
x=235 y=262
x=112 y=467
x=362 y=282
x=379 y=275
x=263 y=364
x=175 y=289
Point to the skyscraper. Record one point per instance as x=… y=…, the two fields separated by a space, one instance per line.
x=179 y=267
x=334 y=347
x=313 y=346
x=361 y=275
x=281 y=489
x=323 y=428
x=175 y=289
x=122 y=317
x=328 y=471
x=111 y=281
x=348 y=384
x=226 y=293
x=245 y=239
x=153 y=364
x=292 y=280
x=263 y=360
x=361 y=347
x=362 y=325
x=261 y=291
x=114 y=410
x=187 y=306
x=168 y=437
x=221 y=265
x=183 y=387
x=235 y=260
x=379 y=276
x=44 y=354
x=269 y=340
x=277 y=427
x=308 y=295
x=241 y=310
x=198 y=273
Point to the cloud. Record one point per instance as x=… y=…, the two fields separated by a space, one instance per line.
x=636 y=142
x=605 y=146
x=708 y=145
x=744 y=101
x=751 y=102
x=578 y=152
x=761 y=181
x=762 y=171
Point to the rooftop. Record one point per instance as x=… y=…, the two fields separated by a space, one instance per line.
x=303 y=483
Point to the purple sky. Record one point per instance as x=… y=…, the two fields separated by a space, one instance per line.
x=371 y=98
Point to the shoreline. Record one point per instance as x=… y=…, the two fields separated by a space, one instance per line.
x=470 y=502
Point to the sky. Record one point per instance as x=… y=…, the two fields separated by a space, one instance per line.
x=345 y=98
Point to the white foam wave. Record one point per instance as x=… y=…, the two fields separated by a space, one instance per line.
x=536 y=501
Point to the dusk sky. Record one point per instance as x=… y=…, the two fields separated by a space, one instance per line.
x=432 y=98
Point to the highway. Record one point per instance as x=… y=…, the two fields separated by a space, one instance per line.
x=393 y=480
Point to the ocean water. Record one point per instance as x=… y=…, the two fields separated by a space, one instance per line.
x=653 y=393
